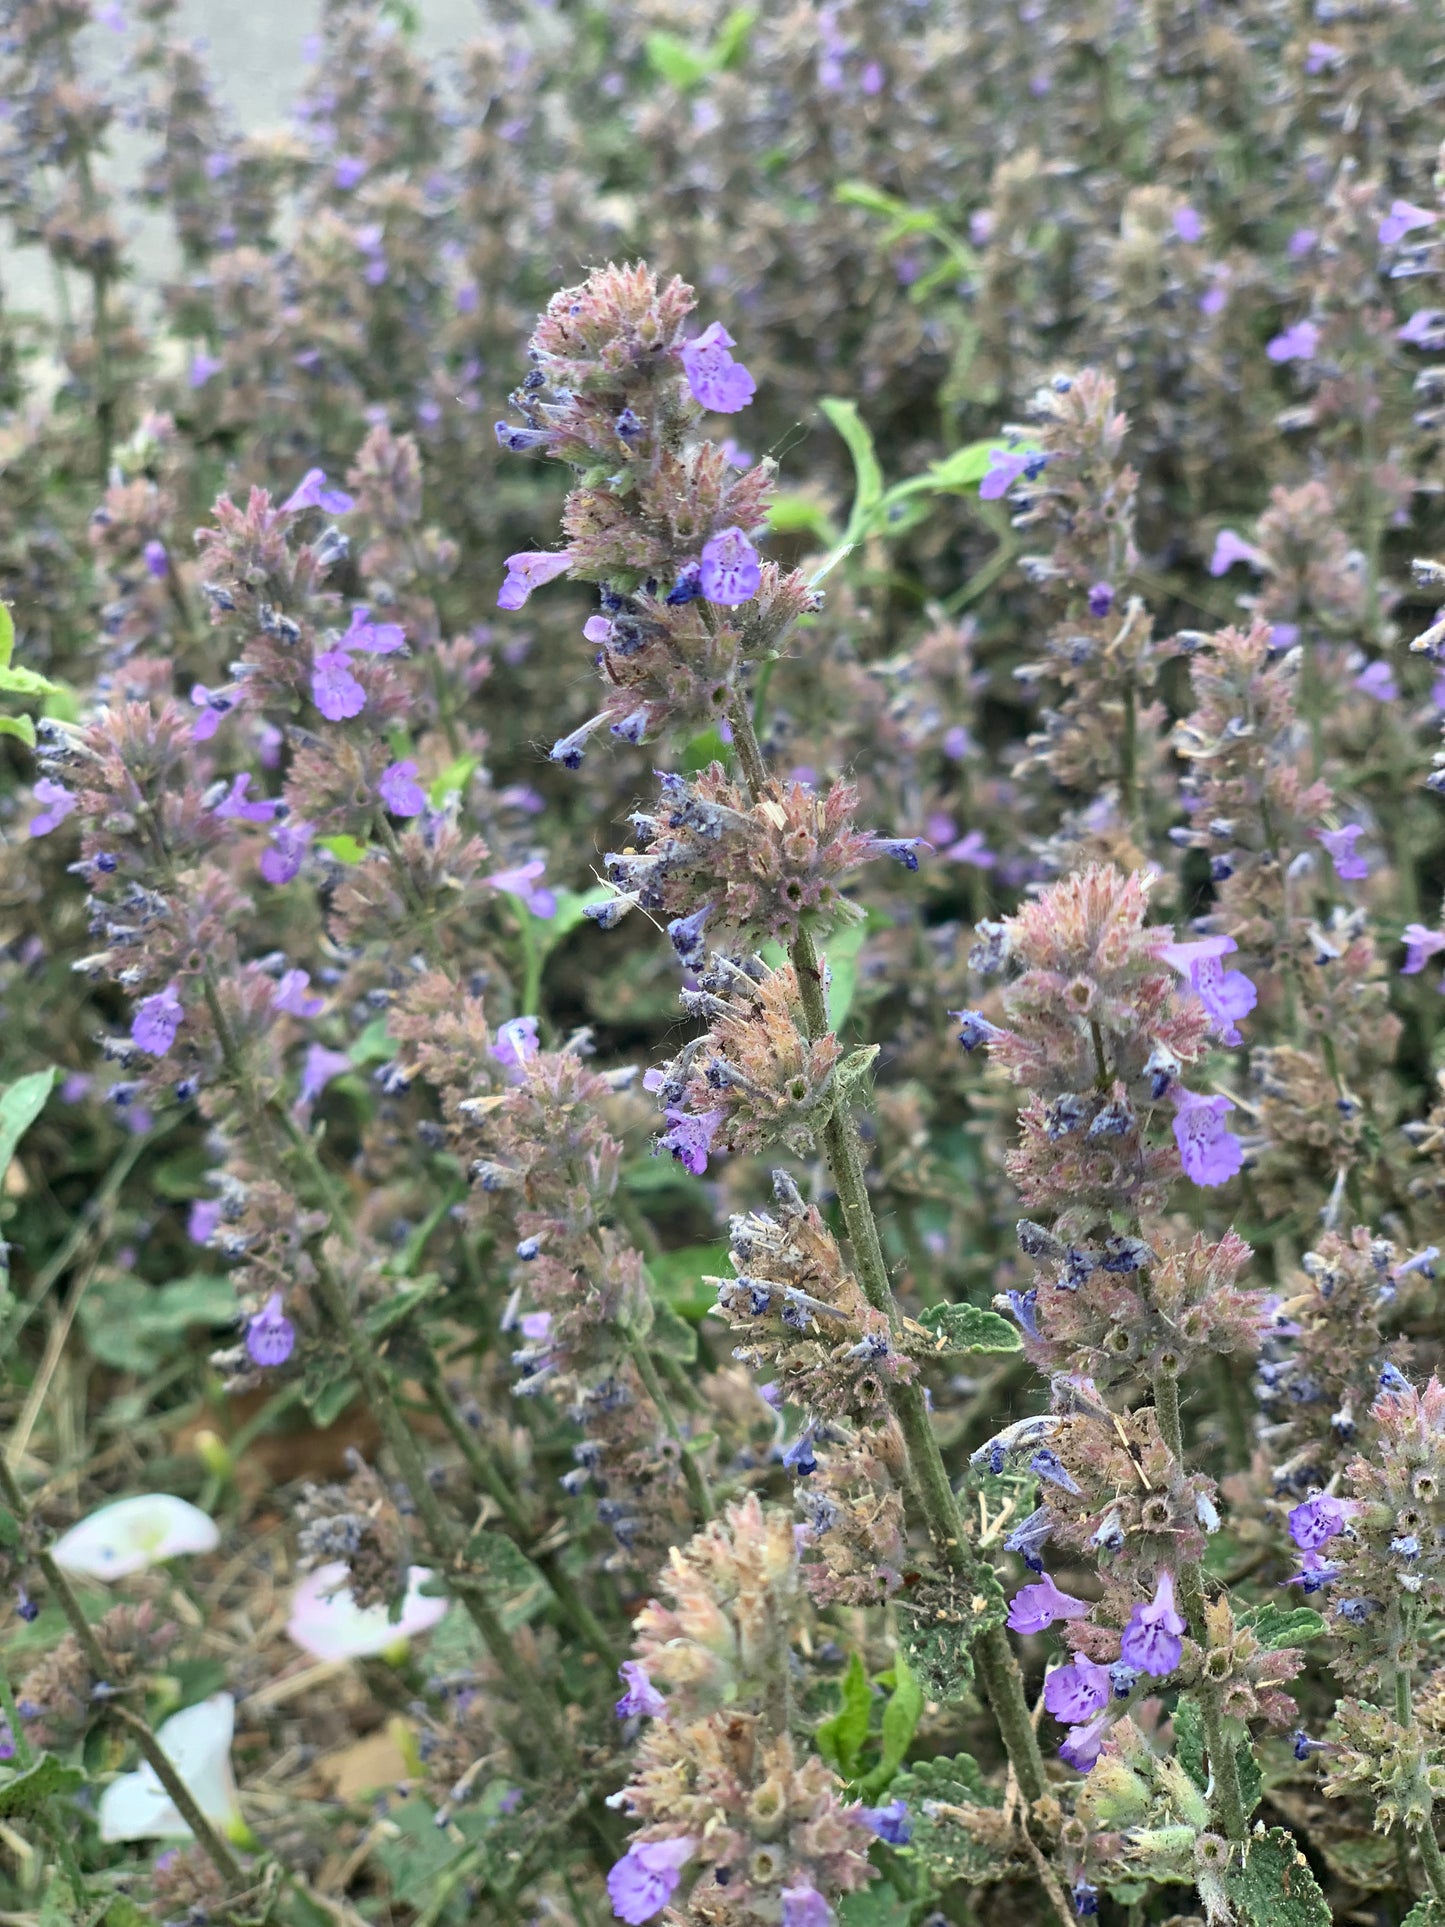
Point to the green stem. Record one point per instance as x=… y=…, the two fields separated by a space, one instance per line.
x=697 y=1486
x=1434 y=1862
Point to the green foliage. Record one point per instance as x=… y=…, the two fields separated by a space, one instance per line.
x=1277 y=1626
x=20 y=1105
x=685 y=67
x=137 y=1327
x=686 y=1278
x=1274 y=1887
x=671 y=1334
x=840 y=1739
x=519 y=1586
x=969 y=1328
x=23 y=1795
x=345 y=849
x=948 y=1804
x=900 y=1722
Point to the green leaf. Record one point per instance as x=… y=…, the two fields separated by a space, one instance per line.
x=685 y=1277
x=969 y=1328
x=671 y=1335
x=26 y=682
x=674 y=61
x=1189 y=1741
x=1428 y=1912
x=327 y=1389
x=395 y=1310
x=868 y=476
x=452 y=781
x=939 y=1794
x=374 y=1046
x=801 y=515
x=900 y=1722
x=9 y=1529
x=841 y=959
x=732 y=38
x=134 y=1326
x=572 y=909
x=20 y=726
x=20 y=1105
x=1276 y=1626
x=1274 y=1887
x=345 y=849
x=7 y=635
x=1251 y=1780
x=877 y=1906
x=520 y=1589
x=966 y=467
x=24 y=1794
x=840 y=1739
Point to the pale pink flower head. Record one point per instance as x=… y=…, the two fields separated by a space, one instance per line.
x=327 y=1622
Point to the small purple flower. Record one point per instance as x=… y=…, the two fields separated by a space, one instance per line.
x=292 y=995
x=203 y=367
x=527 y=570
x=1209 y=1153
x=516 y=1045
x=872 y=78
x=805 y=1907
x=1101 y=600
x=1187 y=224
x=1227 y=995
x=731 y=571
x=335 y=691
x=1314 y=1573
x=1420 y=946
x=399 y=790
x=523 y=882
x=646 y=1877
x=1424 y=329
x=690 y=1137
x=1299 y=343
x=156 y=560
x=1230 y=548
x=716 y=380
x=289 y=844
x=205 y=1215
x=236 y=804
x=1350 y=866
x=1005 y=466
x=1404 y=218
x=56 y=803
x=1378 y=680
x=642 y=1698
x=1321 y=55
x=320 y=1067
x=1076 y=1692
x=270 y=1335
x=890 y=1823
x=349 y=170
x=1151 y=1639
x=1314 y=1523
x=971 y=849
x=372 y=638
x=1301 y=242
x=1082 y=1747
x=156 y=1021
x=312 y=493
x=1033 y=1609
x=213 y=706
x=957 y=743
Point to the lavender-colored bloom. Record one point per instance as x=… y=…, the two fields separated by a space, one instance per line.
x=974 y=1029
x=312 y=493
x=349 y=169
x=527 y=570
x=270 y=1335
x=1314 y=1573
x=957 y=743
x=642 y=1698
x=1299 y=343
x=289 y=844
x=1350 y=866
x=1404 y=218
x=1024 y=1307
x=1315 y=1522
x=56 y=803
x=805 y=1907
x=522 y=881
x=292 y=995
x=890 y=1823
x=1227 y=995
x=516 y=1044
x=730 y=571
x=1082 y=1747
x=335 y=691
x=399 y=790
x=213 y=706
x=1301 y=242
x=1230 y=548
x=320 y=1067
x=1033 y=1609
x=236 y=804
x=1423 y=329
x=1076 y=1692
x=1209 y=1153
x=156 y=1021
x=716 y=380
x=205 y=1215
x=1420 y=946
x=1005 y=466
x=156 y=560
x=1030 y=1536
x=1321 y=55
x=971 y=849
x=372 y=638
x=689 y=1137
x=1187 y=224
x=687 y=935
x=1378 y=680
x=203 y=367
x=646 y=1877
x=1283 y=635
x=1212 y=300
x=1151 y=1639
x=1101 y=600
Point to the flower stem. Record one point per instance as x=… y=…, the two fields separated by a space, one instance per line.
x=1433 y=1859
x=697 y=1486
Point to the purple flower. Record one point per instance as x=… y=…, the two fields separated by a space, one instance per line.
x=205 y=1215
x=1005 y=466
x=320 y=1067
x=1302 y=242
x=235 y=803
x=336 y=692
x=890 y=1823
x=1315 y=1522
x=400 y=791
x=349 y=169
x=971 y=849
x=805 y=1907
x=1420 y=946
x=642 y=1697
x=372 y=638
x=1209 y=1153
x=957 y=743
x=646 y=1877
x=690 y=1137
x=1299 y=343
x=1230 y=548
x=156 y=1021
x=203 y=366
x=56 y=804
x=516 y=1044
x=289 y=844
x=312 y=493
x=872 y=77
x=291 y=995
x=270 y=1335
x=528 y=569
x=1227 y=995
x=522 y=882
x=716 y=380
x=1101 y=600
x=1283 y=635
x=730 y=571
x=1350 y=867
x=1151 y=1639
x=1187 y=224
x=1314 y=1573
x=1033 y=1609
x=1321 y=54
x=1423 y=329
x=1082 y=1747
x=1378 y=680
x=213 y=706
x=1076 y=1692
x=156 y=560
x=1404 y=217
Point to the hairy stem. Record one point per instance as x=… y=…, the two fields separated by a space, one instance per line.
x=692 y=1472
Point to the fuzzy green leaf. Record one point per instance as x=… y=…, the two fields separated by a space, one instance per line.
x=26 y=682
x=1428 y=1912
x=900 y=1722
x=880 y=1905
x=452 y=781
x=20 y=726
x=345 y=849
x=7 y=635
x=25 y=1793
x=940 y=1794
x=840 y=1739
x=20 y=1105
x=969 y=1328
x=674 y=61
x=671 y=1335
x=1274 y=1887
x=1276 y=1626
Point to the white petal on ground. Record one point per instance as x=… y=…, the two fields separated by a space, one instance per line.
x=135 y=1533
x=327 y=1622
x=197 y=1742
